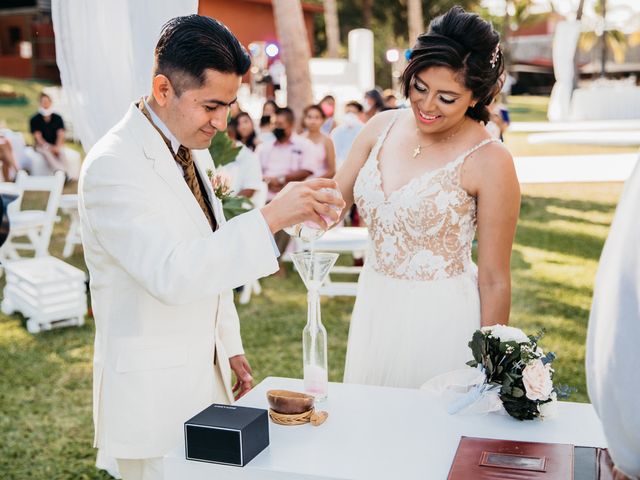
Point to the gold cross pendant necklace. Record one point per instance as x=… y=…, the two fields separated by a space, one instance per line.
x=418 y=150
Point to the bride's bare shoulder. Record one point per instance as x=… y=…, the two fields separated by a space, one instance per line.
x=379 y=122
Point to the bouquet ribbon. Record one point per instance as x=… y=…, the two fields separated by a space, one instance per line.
x=466 y=391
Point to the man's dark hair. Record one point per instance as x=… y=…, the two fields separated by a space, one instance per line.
x=287 y=113
x=190 y=45
x=44 y=95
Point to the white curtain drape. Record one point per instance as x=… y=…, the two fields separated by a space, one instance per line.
x=565 y=42
x=104 y=50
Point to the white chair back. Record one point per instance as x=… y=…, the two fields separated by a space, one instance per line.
x=36 y=225
x=52 y=184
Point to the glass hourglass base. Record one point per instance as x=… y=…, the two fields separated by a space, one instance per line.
x=316 y=382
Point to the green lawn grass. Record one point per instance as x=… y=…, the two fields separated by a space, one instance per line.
x=528 y=108
x=17 y=116
x=45 y=385
x=45 y=379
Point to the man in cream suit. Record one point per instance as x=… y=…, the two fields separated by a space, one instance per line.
x=162 y=259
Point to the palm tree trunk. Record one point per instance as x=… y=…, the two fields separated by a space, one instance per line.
x=414 y=14
x=367 y=13
x=331 y=27
x=295 y=51
x=580 y=10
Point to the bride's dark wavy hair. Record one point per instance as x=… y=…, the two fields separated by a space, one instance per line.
x=469 y=46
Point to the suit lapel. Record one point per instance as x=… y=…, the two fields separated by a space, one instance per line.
x=165 y=166
x=204 y=162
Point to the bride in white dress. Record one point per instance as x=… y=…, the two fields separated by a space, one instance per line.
x=425 y=179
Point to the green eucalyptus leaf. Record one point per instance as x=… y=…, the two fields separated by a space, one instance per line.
x=517 y=392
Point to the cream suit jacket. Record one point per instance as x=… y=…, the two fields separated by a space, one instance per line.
x=161 y=285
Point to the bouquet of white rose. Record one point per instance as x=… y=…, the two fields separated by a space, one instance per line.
x=512 y=374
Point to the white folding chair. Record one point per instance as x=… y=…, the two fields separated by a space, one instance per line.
x=39 y=166
x=69 y=207
x=35 y=225
x=259 y=199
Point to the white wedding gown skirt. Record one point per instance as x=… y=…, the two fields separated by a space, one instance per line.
x=404 y=332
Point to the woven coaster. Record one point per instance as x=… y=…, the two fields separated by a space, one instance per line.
x=291 y=419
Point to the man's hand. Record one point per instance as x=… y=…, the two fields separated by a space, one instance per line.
x=620 y=475
x=303 y=201
x=242 y=369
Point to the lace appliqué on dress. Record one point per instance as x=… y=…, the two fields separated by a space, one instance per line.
x=422 y=231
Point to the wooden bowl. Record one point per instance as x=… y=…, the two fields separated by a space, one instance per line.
x=287 y=402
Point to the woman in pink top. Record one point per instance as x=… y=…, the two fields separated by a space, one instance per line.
x=314 y=117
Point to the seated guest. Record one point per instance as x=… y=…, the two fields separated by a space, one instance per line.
x=244 y=173
x=266 y=129
x=286 y=159
x=269 y=109
x=390 y=99
x=373 y=103
x=245 y=131
x=234 y=110
x=499 y=121
x=48 y=132
x=613 y=363
x=267 y=121
x=328 y=106
x=314 y=118
x=345 y=134
x=7 y=158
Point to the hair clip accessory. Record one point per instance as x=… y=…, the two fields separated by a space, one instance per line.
x=494 y=56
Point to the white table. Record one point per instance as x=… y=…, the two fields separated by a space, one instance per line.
x=381 y=433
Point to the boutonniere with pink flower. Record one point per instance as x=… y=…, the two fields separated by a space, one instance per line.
x=221 y=184
x=232 y=205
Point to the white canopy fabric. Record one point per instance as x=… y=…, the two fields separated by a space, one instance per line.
x=104 y=51
x=565 y=41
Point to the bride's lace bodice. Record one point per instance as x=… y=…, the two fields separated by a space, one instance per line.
x=424 y=229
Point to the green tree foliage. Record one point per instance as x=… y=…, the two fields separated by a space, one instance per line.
x=389 y=24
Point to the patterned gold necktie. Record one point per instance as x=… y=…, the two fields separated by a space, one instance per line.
x=185 y=160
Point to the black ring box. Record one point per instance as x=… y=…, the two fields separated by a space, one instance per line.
x=226 y=434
